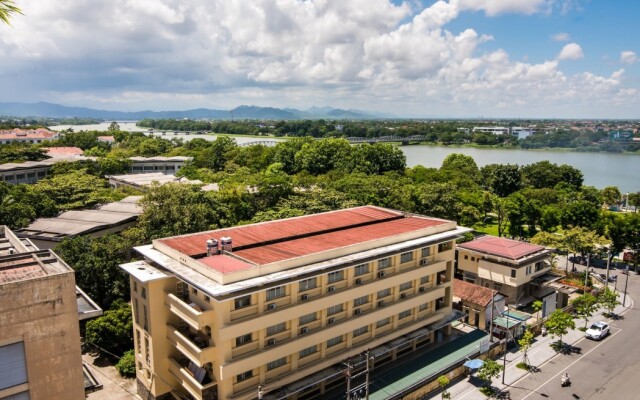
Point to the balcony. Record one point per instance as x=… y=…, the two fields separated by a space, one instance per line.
x=190 y=313
x=196 y=346
x=193 y=379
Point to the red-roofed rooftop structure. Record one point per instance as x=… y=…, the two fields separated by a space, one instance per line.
x=502 y=247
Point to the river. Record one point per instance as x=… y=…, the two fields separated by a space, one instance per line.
x=599 y=169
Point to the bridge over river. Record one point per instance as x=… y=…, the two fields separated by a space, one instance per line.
x=405 y=140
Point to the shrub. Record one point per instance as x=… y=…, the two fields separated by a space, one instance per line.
x=127 y=364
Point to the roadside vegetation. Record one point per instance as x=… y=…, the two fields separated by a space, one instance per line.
x=541 y=202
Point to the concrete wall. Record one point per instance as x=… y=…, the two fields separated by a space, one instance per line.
x=43 y=314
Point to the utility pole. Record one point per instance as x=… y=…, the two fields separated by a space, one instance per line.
x=348 y=374
x=608 y=263
x=493 y=304
x=626 y=281
x=366 y=382
x=586 y=271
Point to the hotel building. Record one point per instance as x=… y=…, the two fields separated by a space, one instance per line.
x=276 y=304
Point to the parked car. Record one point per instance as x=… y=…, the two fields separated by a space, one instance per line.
x=597 y=330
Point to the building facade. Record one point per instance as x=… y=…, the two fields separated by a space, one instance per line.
x=519 y=270
x=218 y=314
x=479 y=303
x=40 y=357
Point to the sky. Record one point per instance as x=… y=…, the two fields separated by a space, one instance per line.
x=428 y=59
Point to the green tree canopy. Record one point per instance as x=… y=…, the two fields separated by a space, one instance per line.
x=113 y=331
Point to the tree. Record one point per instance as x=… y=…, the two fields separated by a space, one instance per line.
x=321 y=156
x=113 y=127
x=525 y=344
x=489 y=370
x=537 y=306
x=502 y=179
x=609 y=299
x=443 y=382
x=7 y=8
x=113 y=331
x=634 y=200
x=611 y=195
x=114 y=164
x=462 y=164
x=558 y=324
x=580 y=213
x=585 y=306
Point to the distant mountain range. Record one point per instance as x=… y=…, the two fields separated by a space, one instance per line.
x=50 y=110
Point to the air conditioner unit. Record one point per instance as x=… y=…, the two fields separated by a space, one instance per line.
x=271 y=342
x=423 y=289
x=381 y=303
x=357 y=311
x=331 y=289
x=403 y=295
x=304 y=297
x=271 y=306
x=424 y=261
x=304 y=330
x=331 y=321
x=358 y=281
x=381 y=274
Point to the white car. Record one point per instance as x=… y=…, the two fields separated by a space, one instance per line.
x=597 y=330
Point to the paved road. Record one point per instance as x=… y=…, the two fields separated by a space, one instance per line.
x=601 y=370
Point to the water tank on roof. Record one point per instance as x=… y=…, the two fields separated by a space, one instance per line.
x=212 y=247
x=226 y=243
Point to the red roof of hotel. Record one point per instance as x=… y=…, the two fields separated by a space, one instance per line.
x=281 y=240
x=39 y=133
x=106 y=138
x=64 y=151
x=502 y=247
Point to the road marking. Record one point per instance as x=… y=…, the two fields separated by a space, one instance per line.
x=567 y=367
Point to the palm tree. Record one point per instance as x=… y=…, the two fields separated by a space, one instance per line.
x=8 y=7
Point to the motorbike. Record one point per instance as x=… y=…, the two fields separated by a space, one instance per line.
x=544 y=331
x=566 y=380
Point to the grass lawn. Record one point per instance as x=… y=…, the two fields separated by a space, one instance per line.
x=489 y=229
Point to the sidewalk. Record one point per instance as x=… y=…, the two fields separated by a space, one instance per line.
x=539 y=353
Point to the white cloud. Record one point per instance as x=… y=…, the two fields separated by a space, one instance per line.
x=366 y=54
x=571 y=51
x=628 y=57
x=561 y=37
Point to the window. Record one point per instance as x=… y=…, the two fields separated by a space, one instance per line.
x=308 y=351
x=336 y=340
x=207 y=299
x=135 y=286
x=496 y=286
x=406 y=285
x=194 y=290
x=425 y=279
x=466 y=257
x=143 y=293
x=272 y=330
x=146 y=322
x=424 y=306
x=244 y=339
x=147 y=353
x=473 y=258
x=406 y=257
x=384 y=263
x=528 y=271
x=136 y=310
x=405 y=314
x=383 y=322
x=138 y=341
x=334 y=310
x=426 y=251
x=335 y=276
x=276 y=292
x=384 y=293
x=242 y=302
x=513 y=273
x=539 y=266
x=13 y=365
x=305 y=319
x=244 y=376
x=360 y=301
x=308 y=284
x=277 y=363
x=361 y=331
x=361 y=269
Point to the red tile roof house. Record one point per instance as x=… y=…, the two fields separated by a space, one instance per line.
x=106 y=139
x=477 y=301
x=519 y=270
x=26 y=136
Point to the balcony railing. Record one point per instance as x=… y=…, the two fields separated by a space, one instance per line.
x=194 y=380
x=190 y=313
x=194 y=345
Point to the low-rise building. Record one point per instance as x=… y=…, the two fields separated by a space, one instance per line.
x=32 y=136
x=46 y=233
x=479 y=303
x=496 y=130
x=517 y=269
x=278 y=304
x=40 y=357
